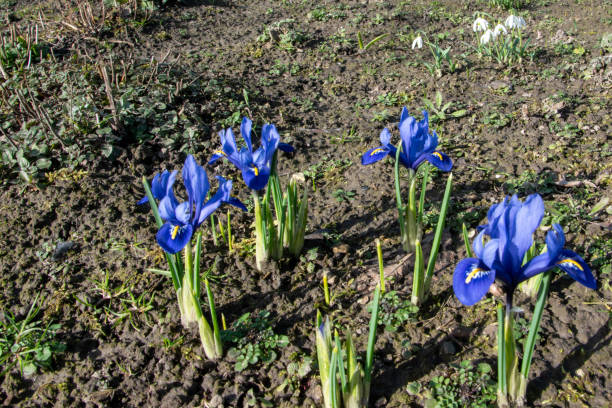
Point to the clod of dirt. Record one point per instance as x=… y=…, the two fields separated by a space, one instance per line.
x=62 y=248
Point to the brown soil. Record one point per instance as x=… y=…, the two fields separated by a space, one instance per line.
x=330 y=101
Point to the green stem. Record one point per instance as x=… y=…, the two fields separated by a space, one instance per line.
x=326 y=289
x=333 y=368
x=466 y=241
x=261 y=250
x=213 y=229
x=381 y=268
x=502 y=385
x=229 y=233
x=422 y=198
x=511 y=362
x=213 y=316
x=343 y=382
x=367 y=378
x=411 y=214
x=433 y=255
x=398 y=194
x=418 y=278
x=196 y=264
x=533 y=332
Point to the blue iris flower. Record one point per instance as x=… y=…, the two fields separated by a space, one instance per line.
x=161 y=186
x=182 y=219
x=255 y=165
x=418 y=145
x=510 y=230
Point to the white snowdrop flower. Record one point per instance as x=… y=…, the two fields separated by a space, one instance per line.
x=480 y=24
x=515 y=22
x=486 y=37
x=499 y=29
x=417 y=43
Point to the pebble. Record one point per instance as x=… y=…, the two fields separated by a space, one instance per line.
x=62 y=248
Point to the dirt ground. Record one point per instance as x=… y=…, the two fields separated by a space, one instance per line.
x=181 y=72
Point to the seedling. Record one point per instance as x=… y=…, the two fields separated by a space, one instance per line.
x=438 y=109
x=363 y=48
x=27 y=343
x=462 y=385
x=254 y=340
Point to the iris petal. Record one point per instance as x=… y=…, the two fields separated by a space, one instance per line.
x=236 y=203
x=228 y=142
x=256 y=179
x=572 y=264
x=538 y=264
x=181 y=212
x=211 y=205
x=404 y=115
x=215 y=157
x=196 y=183
x=471 y=281
x=440 y=160
x=245 y=131
x=555 y=241
x=221 y=196
x=374 y=155
x=385 y=137
x=478 y=244
x=167 y=210
x=526 y=221
x=173 y=241
x=269 y=141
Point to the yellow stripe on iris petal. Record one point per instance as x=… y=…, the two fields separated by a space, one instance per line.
x=571 y=261
x=221 y=152
x=255 y=170
x=473 y=274
x=378 y=150
x=438 y=155
x=174 y=232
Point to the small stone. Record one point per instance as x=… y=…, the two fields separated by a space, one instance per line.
x=340 y=249
x=490 y=331
x=381 y=402
x=216 y=401
x=62 y=248
x=461 y=332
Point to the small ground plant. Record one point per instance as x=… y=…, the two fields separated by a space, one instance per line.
x=462 y=386
x=26 y=343
x=254 y=340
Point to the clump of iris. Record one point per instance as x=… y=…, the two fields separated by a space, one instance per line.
x=258 y=172
x=256 y=166
x=505 y=252
x=416 y=151
x=178 y=224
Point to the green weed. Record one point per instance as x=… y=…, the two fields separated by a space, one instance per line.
x=254 y=340
x=27 y=343
x=463 y=386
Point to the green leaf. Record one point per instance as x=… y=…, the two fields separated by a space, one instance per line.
x=43 y=163
x=29 y=369
x=599 y=206
x=43 y=354
x=413 y=388
x=282 y=341
x=484 y=368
